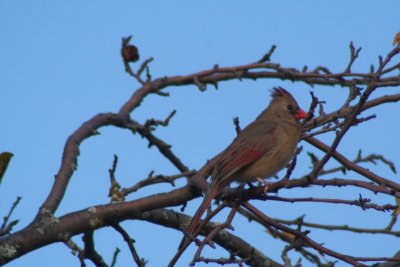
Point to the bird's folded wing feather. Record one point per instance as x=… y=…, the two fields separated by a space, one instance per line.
x=243 y=152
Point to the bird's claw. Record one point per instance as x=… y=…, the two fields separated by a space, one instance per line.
x=264 y=183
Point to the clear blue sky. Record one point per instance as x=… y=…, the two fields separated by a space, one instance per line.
x=60 y=65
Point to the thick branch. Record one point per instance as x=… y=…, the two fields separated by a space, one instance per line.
x=269 y=71
x=50 y=230
x=228 y=241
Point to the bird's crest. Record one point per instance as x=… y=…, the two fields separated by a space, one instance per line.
x=279 y=92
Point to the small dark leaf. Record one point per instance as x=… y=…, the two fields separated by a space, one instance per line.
x=5 y=159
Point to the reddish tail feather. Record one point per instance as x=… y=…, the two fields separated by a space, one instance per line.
x=195 y=227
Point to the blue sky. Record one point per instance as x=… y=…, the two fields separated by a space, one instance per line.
x=60 y=65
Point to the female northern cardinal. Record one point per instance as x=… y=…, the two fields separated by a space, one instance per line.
x=263 y=148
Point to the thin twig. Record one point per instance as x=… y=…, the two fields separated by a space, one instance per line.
x=354 y=167
x=89 y=252
x=267 y=56
x=76 y=250
x=6 y=227
x=114 y=191
x=129 y=241
x=353 y=56
x=303 y=237
x=156 y=179
x=208 y=239
x=300 y=221
x=115 y=257
x=363 y=203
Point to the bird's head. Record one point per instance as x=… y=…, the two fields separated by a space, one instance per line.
x=284 y=105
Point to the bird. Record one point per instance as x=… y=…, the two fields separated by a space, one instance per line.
x=260 y=150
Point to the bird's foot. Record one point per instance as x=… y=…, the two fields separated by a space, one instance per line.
x=264 y=183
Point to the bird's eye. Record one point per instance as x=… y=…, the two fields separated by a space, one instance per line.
x=289 y=107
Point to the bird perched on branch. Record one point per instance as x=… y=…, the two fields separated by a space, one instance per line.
x=259 y=151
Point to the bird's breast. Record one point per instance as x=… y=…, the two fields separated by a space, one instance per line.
x=272 y=161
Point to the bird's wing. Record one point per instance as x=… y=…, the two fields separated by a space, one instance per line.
x=240 y=157
x=244 y=150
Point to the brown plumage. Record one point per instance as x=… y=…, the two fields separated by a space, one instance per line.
x=259 y=151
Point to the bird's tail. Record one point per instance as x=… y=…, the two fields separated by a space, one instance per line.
x=195 y=226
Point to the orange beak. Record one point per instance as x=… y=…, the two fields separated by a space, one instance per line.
x=300 y=114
